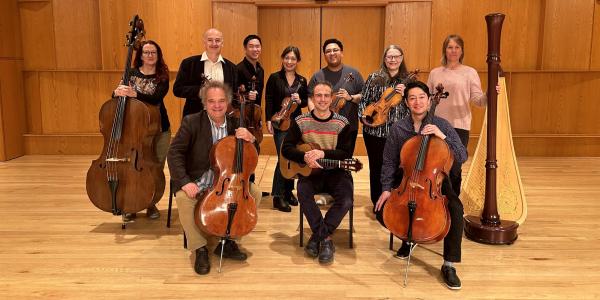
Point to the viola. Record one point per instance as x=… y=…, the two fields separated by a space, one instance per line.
x=338 y=102
x=282 y=119
x=376 y=114
x=228 y=210
x=252 y=114
x=416 y=211
x=127 y=176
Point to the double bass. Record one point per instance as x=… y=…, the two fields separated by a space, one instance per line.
x=127 y=176
x=228 y=210
x=416 y=211
x=376 y=114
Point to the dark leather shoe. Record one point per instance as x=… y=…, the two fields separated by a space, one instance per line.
x=202 y=265
x=265 y=194
x=450 y=278
x=280 y=204
x=326 y=253
x=403 y=252
x=152 y=212
x=312 y=247
x=231 y=250
x=291 y=199
x=128 y=217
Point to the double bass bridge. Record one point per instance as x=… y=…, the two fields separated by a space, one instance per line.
x=116 y=159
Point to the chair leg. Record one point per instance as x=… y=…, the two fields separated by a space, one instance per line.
x=351 y=217
x=391 y=241
x=301 y=226
x=170 y=203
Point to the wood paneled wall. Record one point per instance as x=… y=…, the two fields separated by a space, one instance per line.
x=73 y=53
x=12 y=106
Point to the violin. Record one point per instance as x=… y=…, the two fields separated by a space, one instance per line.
x=127 y=176
x=282 y=119
x=228 y=210
x=253 y=114
x=376 y=114
x=338 y=102
x=416 y=211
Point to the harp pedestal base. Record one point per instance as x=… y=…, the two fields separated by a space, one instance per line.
x=503 y=234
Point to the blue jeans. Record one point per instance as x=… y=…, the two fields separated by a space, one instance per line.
x=281 y=185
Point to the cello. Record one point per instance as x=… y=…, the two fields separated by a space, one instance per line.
x=228 y=210
x=416 y=211
x=376 y=114
x=127 y=176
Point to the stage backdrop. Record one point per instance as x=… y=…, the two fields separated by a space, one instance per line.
x=60 y=59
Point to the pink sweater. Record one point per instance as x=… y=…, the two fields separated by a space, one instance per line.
x=464 y=85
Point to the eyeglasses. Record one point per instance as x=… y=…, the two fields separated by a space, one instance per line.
x=149 y=53
x=334 y=50
x=393 y=57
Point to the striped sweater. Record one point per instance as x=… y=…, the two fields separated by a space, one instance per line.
x=333 y=135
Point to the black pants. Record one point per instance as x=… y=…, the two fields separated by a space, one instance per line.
x=456 y=170
x=452 y=241
x=374 y=147
x=339 y=185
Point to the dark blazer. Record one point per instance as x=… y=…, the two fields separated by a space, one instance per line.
x=187 y=84
x=188 y=155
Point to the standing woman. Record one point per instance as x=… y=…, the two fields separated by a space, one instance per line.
x=464 y=86
x=285 y=83
x=393 y=71
x=149 y=80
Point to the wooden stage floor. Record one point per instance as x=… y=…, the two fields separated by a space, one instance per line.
x=56 y=245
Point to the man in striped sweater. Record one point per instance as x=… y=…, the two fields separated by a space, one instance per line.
x=333 y=134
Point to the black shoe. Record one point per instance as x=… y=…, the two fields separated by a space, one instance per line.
x=312 y=247
x=152 y=212
x=265 y=194
x=403 y=252
x=128 y=217
x=231 y=250
x=326 y=254
x=202 y=265
x=450 y=278
x=280 y=204
x=291 y=199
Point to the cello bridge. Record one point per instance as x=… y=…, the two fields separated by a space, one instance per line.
x=416 y=185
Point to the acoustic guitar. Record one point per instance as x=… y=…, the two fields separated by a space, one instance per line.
x=291 y=169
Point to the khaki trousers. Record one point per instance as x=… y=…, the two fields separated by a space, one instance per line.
x=185 y=206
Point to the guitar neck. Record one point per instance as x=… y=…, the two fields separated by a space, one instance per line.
x=330 y=163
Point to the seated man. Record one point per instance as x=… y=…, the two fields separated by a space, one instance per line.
x=190 y=168
x=418 y=102
x=334 y=136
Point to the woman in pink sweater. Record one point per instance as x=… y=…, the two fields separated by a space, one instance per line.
x=464 y=86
